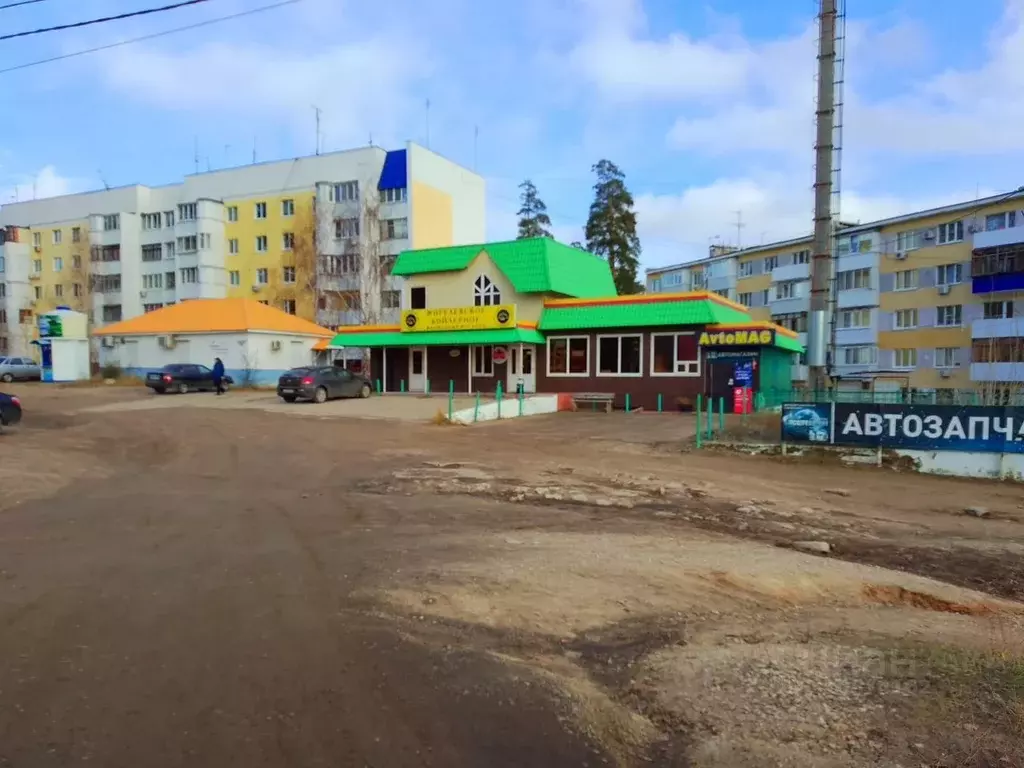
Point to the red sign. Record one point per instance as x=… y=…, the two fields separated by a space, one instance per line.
x=499 y=355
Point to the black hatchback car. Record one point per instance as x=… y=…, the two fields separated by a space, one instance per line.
x=10 y=410
x=183 y=378
x=320 y=384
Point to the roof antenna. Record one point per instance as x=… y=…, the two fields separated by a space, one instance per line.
x=102 y=178
x=195 y=154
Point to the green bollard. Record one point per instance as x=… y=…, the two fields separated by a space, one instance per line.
x=497 y=396
x=426 y=387
x=378 y=386
x=721 y=414
x=627 y=403
x=401 y=386
x=451 y=398
x=659 y=402
x=711 y=417
x=521 y=398
x=476 y=408
x=698 y=420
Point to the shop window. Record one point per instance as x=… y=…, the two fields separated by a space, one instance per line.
x=619 y=355
x=483 y=361
x=569 y=356
x=675 y=354
x=418 y=298
x=485 y=293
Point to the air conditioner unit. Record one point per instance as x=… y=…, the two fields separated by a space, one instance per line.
x=275 y=345
x=943 y=290
x=37 y=248
x=108 y=341
x=168 y=342
x=256 y=288
x=945 y=374
x=901 y=255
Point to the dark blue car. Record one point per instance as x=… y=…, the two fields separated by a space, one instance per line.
x=10 y=410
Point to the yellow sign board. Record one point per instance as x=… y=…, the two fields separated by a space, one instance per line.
x=737 y=338
x=460 y=318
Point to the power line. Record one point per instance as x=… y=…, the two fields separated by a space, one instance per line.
x=22 y=2
x=77 y=24
x=153 y=36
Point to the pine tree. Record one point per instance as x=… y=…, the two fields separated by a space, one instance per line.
x=611 y=227
x=578 y=244
x=533 y=214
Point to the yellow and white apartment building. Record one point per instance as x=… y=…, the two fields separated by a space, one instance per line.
x=290 y=233
x=933 y=300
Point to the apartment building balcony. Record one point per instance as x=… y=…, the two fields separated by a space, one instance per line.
x=998 y=328
x=998 y=237
x=186 y=291
x=791 y=272
x=333 y=282
x=798 y=372
x=855 y=336
x=851 y=261
x=857 y=297
x=332 y=317
x=721 y=282
x=997 y=372
x=791 y=306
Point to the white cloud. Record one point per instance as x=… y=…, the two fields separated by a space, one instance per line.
x=47 y=182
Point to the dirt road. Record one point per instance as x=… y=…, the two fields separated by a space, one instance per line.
x=226 y=587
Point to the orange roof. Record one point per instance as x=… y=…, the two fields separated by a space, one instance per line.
x=214 y=316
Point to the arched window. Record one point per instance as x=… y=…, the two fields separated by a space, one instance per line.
x=485 y=293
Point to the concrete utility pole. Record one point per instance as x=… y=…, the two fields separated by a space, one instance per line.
x=821 y=263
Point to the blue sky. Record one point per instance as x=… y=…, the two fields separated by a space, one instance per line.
x=706 y=106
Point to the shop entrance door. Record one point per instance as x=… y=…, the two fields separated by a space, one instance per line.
x=521 y=368
x=417 y=369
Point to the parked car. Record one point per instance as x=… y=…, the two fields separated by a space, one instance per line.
x=320 y=384
x=183 y=378
x=10 y=410
x=20 y=369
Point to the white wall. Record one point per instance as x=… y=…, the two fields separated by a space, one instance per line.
x=467 y=189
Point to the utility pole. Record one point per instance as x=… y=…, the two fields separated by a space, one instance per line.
x=316 y=111
x=821 y=262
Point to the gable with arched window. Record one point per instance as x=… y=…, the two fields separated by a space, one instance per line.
x=485 y=292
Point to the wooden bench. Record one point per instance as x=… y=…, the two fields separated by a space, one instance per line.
x=593 y=399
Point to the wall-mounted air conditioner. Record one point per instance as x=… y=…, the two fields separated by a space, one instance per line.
x=275 y=345
x=945 y=374
x=168 y=342
x=943 y=290
x=256 y=288
x=108 y=341
x=901 y=255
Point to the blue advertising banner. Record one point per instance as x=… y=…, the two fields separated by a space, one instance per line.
x=990 y=429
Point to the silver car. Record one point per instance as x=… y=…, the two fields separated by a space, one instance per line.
x=19 y=368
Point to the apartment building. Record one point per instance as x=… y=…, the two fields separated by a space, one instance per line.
x=298 y=234
x=930 y=300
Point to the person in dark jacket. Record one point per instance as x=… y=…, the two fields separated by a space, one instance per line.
x=218 y=375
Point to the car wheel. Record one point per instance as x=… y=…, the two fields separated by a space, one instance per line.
x=288 y=398
x=159 y=390
x=320 y=396
x=7 y=378
x=182 y=388
x=365 y=391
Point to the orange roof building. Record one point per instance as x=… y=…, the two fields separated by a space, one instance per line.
x=214 y=316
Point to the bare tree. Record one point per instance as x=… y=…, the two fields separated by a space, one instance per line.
x=304 y=258
x=78 y=290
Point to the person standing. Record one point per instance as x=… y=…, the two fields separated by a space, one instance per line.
x=218 y=375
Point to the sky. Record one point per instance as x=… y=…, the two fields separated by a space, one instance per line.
x=706 y=106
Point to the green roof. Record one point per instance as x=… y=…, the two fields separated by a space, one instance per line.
x=537 y=265
x=785 y=342
x=630 y=314
x=398 y=338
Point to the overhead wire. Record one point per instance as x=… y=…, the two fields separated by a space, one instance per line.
x=104 y=19
x=20 y=2
x=153 y=36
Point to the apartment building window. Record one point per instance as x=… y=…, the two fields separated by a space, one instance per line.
x=152 y=282
x=235 y=276
x=288 y=209
x=3 y=317
x=348 y=190
x=790 y=289
x=393 y=195
x=905 y=319
x=24 y=316
x=485 y=292
x=950 y=274
x=38 y=291
x=169 y=250
x=288 y=305
x=765 y=295
x=945 y=357
x=187 y=212
x=261 y=210
x=859 y=355
x=905 y=358
x=288 y=241
x=37 y=266
x=853 y=279
x=906 y=280
x=908 y=240
x=288 y=274
x=168 y=218
x=951 y=232
x=111 y=222
x=189 y=275
x=169 y=280
x=58 y=264
x=802 y=257
x=3 y=290
x=673 y=279
x=76 y=234
x=390 y=299
x=1004 y=220
x=233 y=245
x=58 y=236
x=188 y=244
x=58 y=291
x=37 y=239
x=394 y=229
x=112 y=313
x=654 y=286
x=1008 y=350
x=205 y=240
x=106 y=283
x=151 y=307
x=998 y=310
x=352 y=301
x=746 y=269
x=232 y=213
x=152 y=252
x=346 y=228
x=950 y=315
x=76 y=262
x=770 y=263
x=151 y=220
x=261 y=243
x=262 y=276
x=746 y=299
x=796 y=321
x=855 y=318
x=76 y=290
